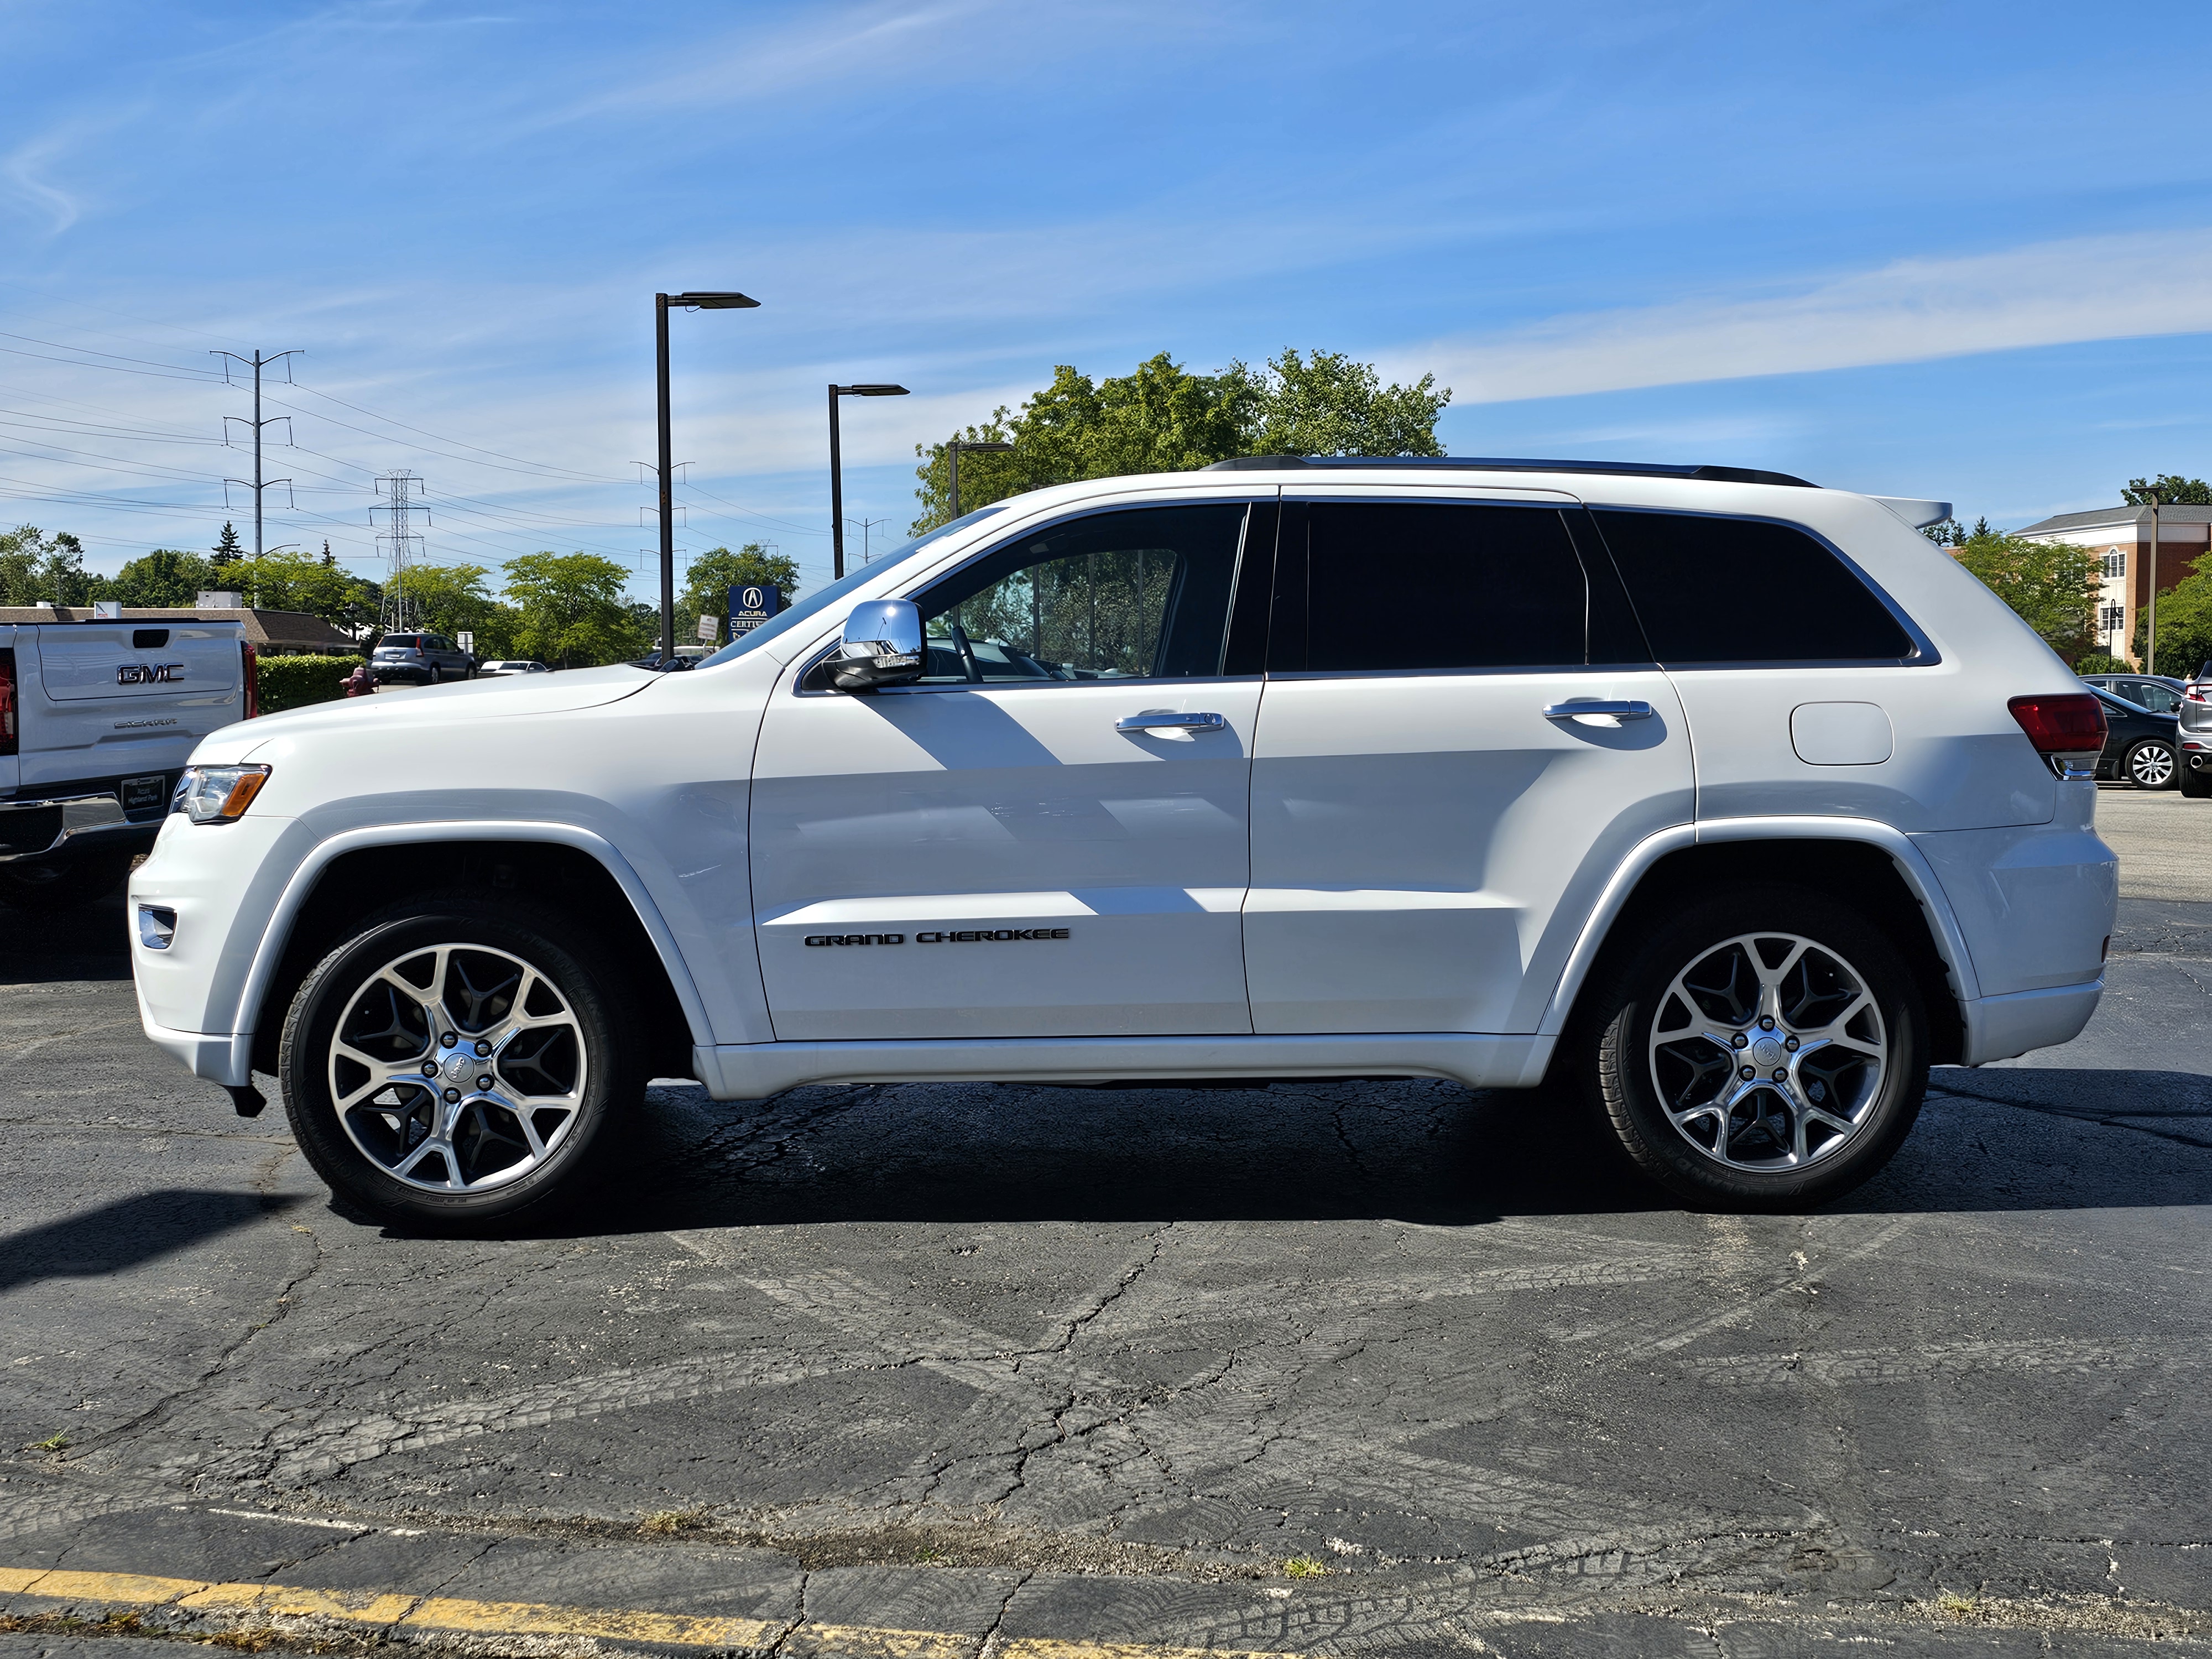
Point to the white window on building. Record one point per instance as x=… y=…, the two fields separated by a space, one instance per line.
x=2115 y=562
x=2116 y=618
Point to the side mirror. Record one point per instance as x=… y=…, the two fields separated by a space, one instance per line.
x=882 y=645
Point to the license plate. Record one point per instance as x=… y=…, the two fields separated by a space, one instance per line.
x=139 y=794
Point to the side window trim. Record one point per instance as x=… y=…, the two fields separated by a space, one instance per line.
x=1924 y=654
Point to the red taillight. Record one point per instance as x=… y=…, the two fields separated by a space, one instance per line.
x=2067 y=729
x=253 y=678
x=8 y=733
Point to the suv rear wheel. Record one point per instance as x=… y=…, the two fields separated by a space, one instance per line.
x=1764 y=1050
x=456 y=1060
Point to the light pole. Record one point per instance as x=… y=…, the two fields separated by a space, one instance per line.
x=954 y=449
x=710 y=301
x=2150 y=623
x=836 y=466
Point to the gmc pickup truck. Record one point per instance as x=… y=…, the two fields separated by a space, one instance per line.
x=97 y=718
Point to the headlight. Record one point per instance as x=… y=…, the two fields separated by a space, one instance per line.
x=218 y=794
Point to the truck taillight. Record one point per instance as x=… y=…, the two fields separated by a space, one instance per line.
x=253 y=678
x=8 y=728
x=2067 y=729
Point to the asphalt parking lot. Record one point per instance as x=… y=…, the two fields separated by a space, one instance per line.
x=1391 y=1369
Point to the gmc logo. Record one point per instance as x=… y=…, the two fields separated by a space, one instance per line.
x=150 y=673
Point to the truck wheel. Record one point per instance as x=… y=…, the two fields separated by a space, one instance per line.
x=46 y=889
x=457 y=1060
x=1765 y=1049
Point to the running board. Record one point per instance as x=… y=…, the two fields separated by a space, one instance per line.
x=757 y=1070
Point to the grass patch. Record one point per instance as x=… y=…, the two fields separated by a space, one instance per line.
x=246 y=1641
x=1303 y=1566
x=667 y=1523
x=59 y=1442
x=1956 y=1606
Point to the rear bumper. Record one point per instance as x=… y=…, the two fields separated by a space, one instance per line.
x=58 y=828
x=2000 y=1028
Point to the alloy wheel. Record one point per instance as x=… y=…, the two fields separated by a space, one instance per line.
x=457 y=1068
x=2151 y=766
x=1768 y=1052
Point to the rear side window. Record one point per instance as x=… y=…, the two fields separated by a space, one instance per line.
x=1413 y=585
x=1714 y=590
x=397 y=641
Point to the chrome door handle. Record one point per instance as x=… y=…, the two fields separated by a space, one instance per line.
x=1625 y=709
x=1159 y=721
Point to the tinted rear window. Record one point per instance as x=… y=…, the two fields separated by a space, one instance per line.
x=1744 y=589
x=397 y=641
x=1404 y=584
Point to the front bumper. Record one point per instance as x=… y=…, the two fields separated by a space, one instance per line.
x=57 y=827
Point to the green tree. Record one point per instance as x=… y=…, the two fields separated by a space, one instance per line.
x=2171 y=489
x=1162 y=418
x=453 y=599
x=707 y=583
x=303 y=582
x=2184 y=627
x=227 y=549
x=571 y=609
x=166 y=576
x=2052 y=585
x=1945 y=532
x=38 y=569
x=1328 y=405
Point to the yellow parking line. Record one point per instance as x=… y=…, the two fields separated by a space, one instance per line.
x=456 y=1614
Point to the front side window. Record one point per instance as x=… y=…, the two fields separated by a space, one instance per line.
x=1718 y=590
x=1142 y=594
x=1408 y=585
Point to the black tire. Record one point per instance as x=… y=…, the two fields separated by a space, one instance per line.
x=2196 y=784
x=481 y=1163
x=1878 y=1101
x=2152 y=764
x=47 y=889
x=435 y=675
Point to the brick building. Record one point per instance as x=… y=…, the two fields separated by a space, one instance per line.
x=2122 y=536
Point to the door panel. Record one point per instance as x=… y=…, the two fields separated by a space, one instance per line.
x=1425 y=847
x=933 y=816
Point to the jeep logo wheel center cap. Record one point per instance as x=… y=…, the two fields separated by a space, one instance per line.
x=1767 y=1052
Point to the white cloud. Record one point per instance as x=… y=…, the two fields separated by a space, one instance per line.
x=1911 y=311
x=21 y=170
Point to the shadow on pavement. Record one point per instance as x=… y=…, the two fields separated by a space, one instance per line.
x=1426 y=1152
x=129 y=1233
x=84 y=942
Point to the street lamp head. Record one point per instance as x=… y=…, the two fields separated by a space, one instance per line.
x=873 y=390
x=984 y=449
x=713 y=302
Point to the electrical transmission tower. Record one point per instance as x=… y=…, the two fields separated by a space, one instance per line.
x=256 y=362
x=402 y=492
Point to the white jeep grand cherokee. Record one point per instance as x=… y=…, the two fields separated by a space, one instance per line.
x=1728 y=797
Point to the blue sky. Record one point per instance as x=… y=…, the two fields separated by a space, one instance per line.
x=1962 y=250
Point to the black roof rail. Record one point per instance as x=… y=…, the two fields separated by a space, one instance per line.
x=1481 y=464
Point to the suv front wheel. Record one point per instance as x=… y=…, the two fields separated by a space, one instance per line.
x=1763 y=1050
x=456 y=1060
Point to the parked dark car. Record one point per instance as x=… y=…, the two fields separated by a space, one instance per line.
x=420 y=660
x=2156 y=692
x=2141 y=746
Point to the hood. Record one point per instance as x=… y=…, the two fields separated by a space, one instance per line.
x=502 y=698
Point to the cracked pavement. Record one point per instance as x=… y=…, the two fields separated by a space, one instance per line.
x=1354 y=1368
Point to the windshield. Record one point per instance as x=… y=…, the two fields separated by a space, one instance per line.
x=822 y=599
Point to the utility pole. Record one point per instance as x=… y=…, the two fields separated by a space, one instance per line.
x=256 y=362
x=402 y=492
x=867 y=557
x=2150 y=627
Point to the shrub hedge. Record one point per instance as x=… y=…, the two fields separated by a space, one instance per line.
x=294 y=681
